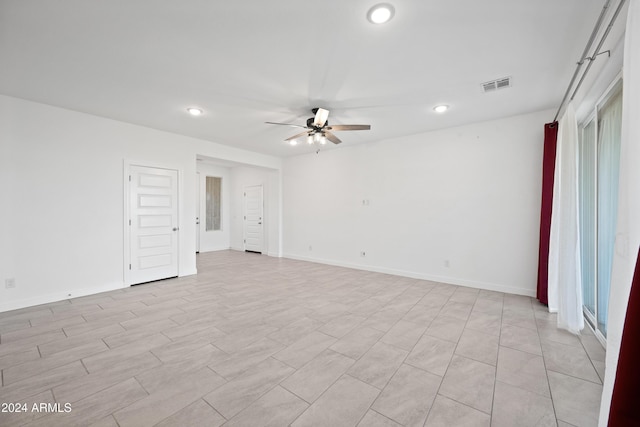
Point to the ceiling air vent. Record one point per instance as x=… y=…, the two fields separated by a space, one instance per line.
x=496 y=84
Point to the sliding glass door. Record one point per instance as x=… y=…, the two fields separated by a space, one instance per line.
x=599 y=169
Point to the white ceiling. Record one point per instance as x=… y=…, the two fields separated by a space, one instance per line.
x=247 y=62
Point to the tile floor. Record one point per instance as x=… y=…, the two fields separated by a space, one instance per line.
x=258 y=341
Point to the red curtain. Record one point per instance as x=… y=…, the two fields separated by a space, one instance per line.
x=548 y=170
x=625 y=407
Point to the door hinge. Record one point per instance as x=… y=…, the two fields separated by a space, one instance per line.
x=245 y=194
x=245 y=218
x=129 y=222
x=245 y=240
x=129 y=266
x=129 y=178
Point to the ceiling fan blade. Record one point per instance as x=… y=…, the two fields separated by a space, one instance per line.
x=321 y=117
x=286 y=124
x=349 y=127
x=297 y=136
x=331 y=137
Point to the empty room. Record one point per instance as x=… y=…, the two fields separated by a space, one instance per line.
x=294 y=213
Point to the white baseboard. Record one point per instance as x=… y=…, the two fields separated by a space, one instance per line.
x=59 y=296
x=418 y=275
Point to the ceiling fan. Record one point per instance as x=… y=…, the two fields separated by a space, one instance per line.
x=318 y=128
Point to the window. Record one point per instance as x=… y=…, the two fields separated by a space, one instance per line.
x=213 y=203
x=599 y=169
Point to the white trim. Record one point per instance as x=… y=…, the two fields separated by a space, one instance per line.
x=415 y=275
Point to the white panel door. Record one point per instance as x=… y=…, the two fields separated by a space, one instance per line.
x=253 y=227
x=153 y=223
x=197 y=212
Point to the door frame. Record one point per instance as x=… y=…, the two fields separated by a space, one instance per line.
x=126 y=171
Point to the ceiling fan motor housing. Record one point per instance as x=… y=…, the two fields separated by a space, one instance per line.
x=310 y=124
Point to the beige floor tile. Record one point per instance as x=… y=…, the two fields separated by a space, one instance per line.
x=523 y=370
x=421 y=315
x=408 y=397
x=469 y=382
x=484 y=322
x=57 y=346
x=108 y=421
x=305 y=349
x=576 y=401
x=448 y=413
x=86 y=385
x=513 y=406
x=291 y=333
x=310 y=381
x=344 y=404
x=342 y=325
x=488 y=306
x=106 y=359
x=327 y=324
x=569 y=360
x=551 y=333
x=12 y=359
x=24 y=414
x=276 y=408
x=97 y=406
x=242 y=391
x=33 y=385
x=432 y=354
x=478 y=346
x=522 y=318
x=166 y=374
x=446 y=328
x=46 y=364
x=522 y=339
x=138 y=333
x=457 y=310
x=378 y=365
x=197 y=414
x=403 y=335
x=32 y=341
x=242 y=360
x=357 y=342
x=594 y=349
x=374 y=419
x=163 y=403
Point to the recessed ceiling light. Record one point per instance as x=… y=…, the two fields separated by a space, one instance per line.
x=195 y=111
x=380 y=13
x=440 y=108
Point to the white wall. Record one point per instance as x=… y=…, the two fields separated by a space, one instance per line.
x=215 y=240
x=62 y=197
x=269 y=179
x=461 y=205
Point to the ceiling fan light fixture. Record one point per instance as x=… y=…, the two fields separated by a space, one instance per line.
x=293 y=142
x=440 y=108
x=310 y=139
x=380 y=13
x=323 y=139
x=195 y=111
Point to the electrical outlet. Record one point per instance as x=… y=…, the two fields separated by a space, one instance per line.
x=10 y=283
x=363 y=254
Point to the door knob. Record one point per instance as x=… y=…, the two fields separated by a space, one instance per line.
x=259 y=223
x=175 y=228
